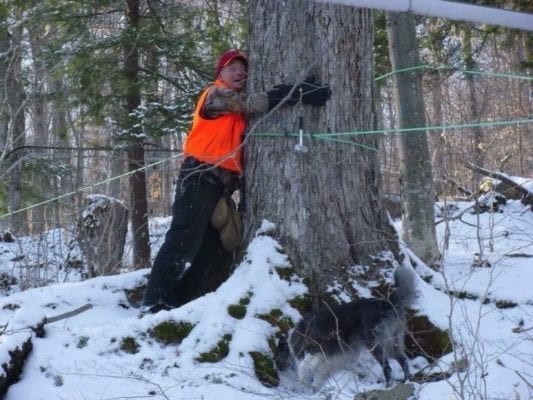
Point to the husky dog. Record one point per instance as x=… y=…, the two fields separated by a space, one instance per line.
x=331 y=337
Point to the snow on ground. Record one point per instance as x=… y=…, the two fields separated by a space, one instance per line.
x=80 y=358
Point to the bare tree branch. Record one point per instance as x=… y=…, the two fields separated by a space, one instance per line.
x=68 y=314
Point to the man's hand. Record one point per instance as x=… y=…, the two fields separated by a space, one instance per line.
x=314 y=93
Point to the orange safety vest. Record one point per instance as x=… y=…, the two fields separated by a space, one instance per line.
x=216 y=141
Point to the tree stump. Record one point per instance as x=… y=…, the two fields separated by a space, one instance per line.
x=102 y=230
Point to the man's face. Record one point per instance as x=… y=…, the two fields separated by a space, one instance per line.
x=234 y=75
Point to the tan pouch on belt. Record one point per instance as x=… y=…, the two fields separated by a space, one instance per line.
x=227 y=221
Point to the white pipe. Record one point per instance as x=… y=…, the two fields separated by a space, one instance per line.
x=449 y=10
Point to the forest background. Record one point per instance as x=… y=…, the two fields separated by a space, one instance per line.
x=97 y=99
x=97 y=96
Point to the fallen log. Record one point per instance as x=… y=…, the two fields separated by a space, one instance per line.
x=526 y=195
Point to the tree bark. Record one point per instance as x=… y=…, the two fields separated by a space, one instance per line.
x=4 y=64
x=39 y=123
x=135 y=151
x=326 y=202
x=474 y=106
x=16 y=135
x=418 y=220
x=62 y=183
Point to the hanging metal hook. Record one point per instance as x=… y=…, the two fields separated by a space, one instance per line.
x=300 y=147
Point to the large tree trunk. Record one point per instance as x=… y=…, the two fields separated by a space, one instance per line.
x=64 y=182
x=474 y=105
x=137 y=180
x=39 y=123
x=15 y=97
x=4 y=64
x=418 y=220
x=326 y=202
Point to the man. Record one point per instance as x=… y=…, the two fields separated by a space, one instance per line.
x=210 y=170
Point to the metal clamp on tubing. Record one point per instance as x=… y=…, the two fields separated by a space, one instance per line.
x=300 y=147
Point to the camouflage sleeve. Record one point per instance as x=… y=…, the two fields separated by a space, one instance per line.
x=223 y=100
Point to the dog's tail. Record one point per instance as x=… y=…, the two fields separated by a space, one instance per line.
x=405 y=292
x=283 y=358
